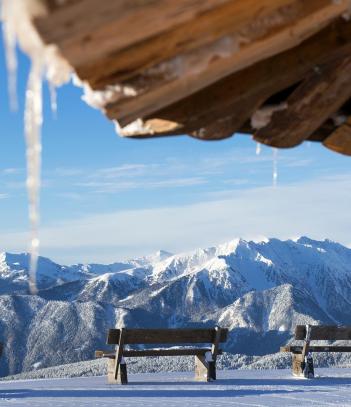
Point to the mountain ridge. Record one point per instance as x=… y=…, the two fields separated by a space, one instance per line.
x=259 y=290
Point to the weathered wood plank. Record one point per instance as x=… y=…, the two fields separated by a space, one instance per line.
x=324 y=332
x=87 y=30
x=164 y=86
x=131 y=353
x=310 y=105
x=340 y=139
x=226 y=105
x=314 y=348
x=229 y=17
x=165 y=336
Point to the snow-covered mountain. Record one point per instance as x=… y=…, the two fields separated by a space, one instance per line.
x=259 y=290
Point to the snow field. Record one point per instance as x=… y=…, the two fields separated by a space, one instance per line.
x=332 y=387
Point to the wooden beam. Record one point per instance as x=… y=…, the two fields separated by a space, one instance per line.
x=340 y=139
x=169 y=82
x=228 y=104
x=310 y=105
x=324 y=332
x=225 y=19
x=130 y=353
x=88 y=30
x=164 y=336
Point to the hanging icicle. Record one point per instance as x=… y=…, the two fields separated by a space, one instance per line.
x=9 y=37
x=32 y=123
x=275 y=167
x=18 y=29
x=258 y=148
x=53 y=99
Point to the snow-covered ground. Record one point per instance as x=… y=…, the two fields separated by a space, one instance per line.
x=332 y=387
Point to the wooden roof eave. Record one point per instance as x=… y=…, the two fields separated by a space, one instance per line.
x=193 y=71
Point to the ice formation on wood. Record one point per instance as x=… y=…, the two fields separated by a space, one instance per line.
x=262 y=117
x=46 y=62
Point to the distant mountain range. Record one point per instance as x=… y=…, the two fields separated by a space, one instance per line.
x=259 y=290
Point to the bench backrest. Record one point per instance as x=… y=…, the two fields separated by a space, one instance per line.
x=165 y=336
x=324 y=332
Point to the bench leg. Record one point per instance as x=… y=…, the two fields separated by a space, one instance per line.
x=297 y=364
x=122 y=377
x=301 y=367
x=308 y=368
x=202 y=370
x=212 y=370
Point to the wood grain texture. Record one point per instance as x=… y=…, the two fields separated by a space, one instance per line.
x=310 y=105
x=223 y=108
x=227 y=18
x=165 y=336
x=90 y=29
x=340 y=140
x=163 y=86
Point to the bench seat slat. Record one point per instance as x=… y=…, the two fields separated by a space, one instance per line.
x=156 y=352
x=324 y=332
x=327 y=348
x=165 y=336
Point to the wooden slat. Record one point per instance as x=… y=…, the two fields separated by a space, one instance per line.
x=310 y=105
x=227 y=104
x=325 y=332
x=206 y=28
x=340 y=139
x=156 y=352
x=165 y=85
x=166 y=352
x=165 y=336
x=90 y=29
x=298 y=349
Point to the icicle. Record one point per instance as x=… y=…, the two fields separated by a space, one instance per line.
x=53 y=99
x=275 y=167
x=17 y=17
x=33 y=122
x=258 y=148
x=9 y=38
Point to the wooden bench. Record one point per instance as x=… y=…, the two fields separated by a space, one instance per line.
x=205 y=357
x=302 y=361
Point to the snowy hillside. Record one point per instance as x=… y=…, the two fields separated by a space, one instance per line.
x=259 y=290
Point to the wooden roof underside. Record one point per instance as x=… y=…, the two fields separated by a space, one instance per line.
x=204 y=67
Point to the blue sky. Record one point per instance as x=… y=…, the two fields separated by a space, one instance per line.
x=106 y=198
